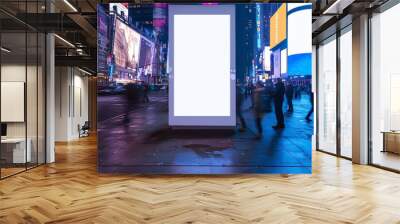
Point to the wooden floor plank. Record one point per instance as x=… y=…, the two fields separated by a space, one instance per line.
x=71 y=191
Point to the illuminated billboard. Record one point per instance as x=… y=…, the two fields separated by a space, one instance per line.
x=299 y=39
x=126 y=46
x=276 y=58
x=278 y=26
x=146 y=57
x=203 y=54
x=267 y=58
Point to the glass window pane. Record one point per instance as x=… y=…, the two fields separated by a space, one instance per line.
x=23 y=81
x=327 y=96
x=13 y=86
x=346 y=94
x=385 y=82
x=32 y=97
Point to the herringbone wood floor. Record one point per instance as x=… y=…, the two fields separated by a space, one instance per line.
x=71 y=191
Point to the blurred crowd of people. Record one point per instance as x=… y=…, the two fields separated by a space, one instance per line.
x=264 y=97
x=268 y=97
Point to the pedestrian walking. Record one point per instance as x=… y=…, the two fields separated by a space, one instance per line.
x=311 y=111
x=259 y=107
x=146 y=93
x=240 y=95
x=289 y=92
x=279 y=94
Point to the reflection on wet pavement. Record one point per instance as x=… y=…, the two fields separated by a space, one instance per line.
x=140 y=141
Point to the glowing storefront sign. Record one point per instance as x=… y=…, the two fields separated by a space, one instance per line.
x=258 y=22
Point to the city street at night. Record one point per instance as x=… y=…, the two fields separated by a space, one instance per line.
x=192 y=89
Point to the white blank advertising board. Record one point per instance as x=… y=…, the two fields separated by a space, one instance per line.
x=12 y=101
x=299 y=29
x=202 y=65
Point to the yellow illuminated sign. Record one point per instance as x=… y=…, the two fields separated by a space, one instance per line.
x=278 y=26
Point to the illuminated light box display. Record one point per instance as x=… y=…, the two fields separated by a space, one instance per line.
x=267 y=58
x=276 y=58
x=278 y=26
x=299 y=39
x=202 y=43
x=283 y=61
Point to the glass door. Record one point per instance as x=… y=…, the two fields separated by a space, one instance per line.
x=327 y=92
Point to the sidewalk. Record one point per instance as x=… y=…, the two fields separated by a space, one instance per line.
x=145 y=144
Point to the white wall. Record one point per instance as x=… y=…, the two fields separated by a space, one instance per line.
x=17 y=73
x=71 y=102
x=61 y=103
x=12 y=73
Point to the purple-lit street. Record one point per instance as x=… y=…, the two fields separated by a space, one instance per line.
x=141 y=141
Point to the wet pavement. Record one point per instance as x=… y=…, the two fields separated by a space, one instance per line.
x=137 y=139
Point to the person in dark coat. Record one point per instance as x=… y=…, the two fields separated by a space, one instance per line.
x=146 y=89
x=240 y=95
x=269 y=93
x=251 y=88
x=259 y=107
x=131 y=98
x=311 y=111
x=279 y=95
x=289 y=92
